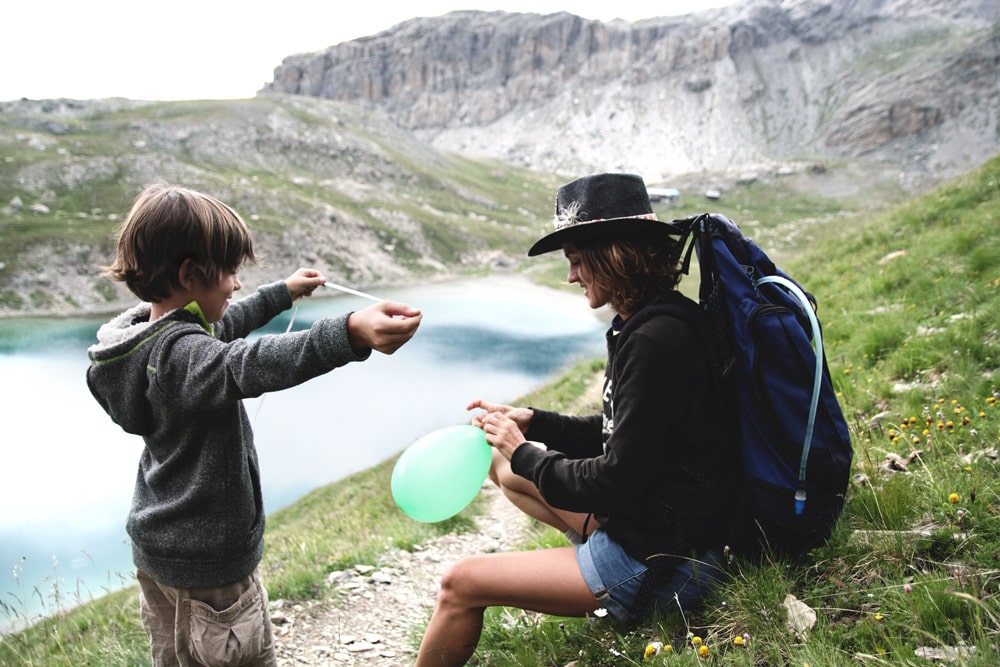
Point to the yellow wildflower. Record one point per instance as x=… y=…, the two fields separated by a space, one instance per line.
x=696 y=640
x=953 y=498
x=738 y=640
x=703 y=651
x=652 y=649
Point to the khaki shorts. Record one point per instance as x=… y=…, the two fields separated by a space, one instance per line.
x=200 y=627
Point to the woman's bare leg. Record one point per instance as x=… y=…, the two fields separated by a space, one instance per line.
x=545 y=580
x=526 y=497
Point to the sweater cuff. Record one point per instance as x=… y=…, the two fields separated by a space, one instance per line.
x=338 y=340
x=541 y=427
x=525 y=459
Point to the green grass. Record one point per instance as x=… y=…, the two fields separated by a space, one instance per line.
x=910 y=301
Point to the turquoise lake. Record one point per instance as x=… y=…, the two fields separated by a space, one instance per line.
x=68 y=470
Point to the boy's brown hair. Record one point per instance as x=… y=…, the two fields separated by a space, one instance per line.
x=169 y=224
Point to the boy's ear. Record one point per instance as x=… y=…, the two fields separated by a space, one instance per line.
x=185 y=274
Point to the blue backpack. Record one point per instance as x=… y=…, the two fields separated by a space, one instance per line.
x=795 y=443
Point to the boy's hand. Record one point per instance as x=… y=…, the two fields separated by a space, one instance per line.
x=384 y=326
x=303 y=282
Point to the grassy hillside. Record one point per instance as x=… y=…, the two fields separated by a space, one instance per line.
x=910 y=302
x=320 y=183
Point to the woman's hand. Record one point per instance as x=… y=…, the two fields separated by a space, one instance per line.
x=502 y=433
x=520 y=416
x=503 y=425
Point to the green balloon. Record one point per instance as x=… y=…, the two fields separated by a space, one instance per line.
x=439 y=474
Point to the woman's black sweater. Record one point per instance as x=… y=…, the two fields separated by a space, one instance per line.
x=660 y=468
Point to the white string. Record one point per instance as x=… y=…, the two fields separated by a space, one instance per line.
x=348 y=290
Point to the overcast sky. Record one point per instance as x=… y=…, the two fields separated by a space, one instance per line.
x=217 y=49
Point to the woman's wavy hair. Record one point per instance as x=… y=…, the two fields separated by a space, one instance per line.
x=168 y=225
x=633 y=272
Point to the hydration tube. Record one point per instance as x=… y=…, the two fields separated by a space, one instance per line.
x=800 y=493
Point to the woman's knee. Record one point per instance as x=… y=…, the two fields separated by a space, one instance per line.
x=514 y=483
x=501 y=474
x=499 y=468
x=459 y=582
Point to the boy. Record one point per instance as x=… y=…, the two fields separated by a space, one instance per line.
x=174 y=369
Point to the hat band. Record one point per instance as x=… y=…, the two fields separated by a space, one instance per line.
x=570 y=219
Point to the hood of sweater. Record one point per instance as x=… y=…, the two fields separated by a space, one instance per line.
x=121 y=361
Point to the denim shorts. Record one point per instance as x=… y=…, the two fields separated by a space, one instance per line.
x=615 y=577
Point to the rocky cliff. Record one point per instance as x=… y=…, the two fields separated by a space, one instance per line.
x=726 y=90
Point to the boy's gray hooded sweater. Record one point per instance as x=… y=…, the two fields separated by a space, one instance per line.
x=197 y=516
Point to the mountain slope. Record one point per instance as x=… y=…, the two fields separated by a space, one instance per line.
x=321 y=184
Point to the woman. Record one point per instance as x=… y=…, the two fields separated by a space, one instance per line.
x=648 y=483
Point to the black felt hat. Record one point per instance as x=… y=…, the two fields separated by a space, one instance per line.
x=602 y=207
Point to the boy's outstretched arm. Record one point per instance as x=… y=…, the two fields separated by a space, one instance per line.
x=384 y=326
x=303 y=282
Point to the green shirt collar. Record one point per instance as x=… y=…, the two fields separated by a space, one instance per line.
x=195 y=310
